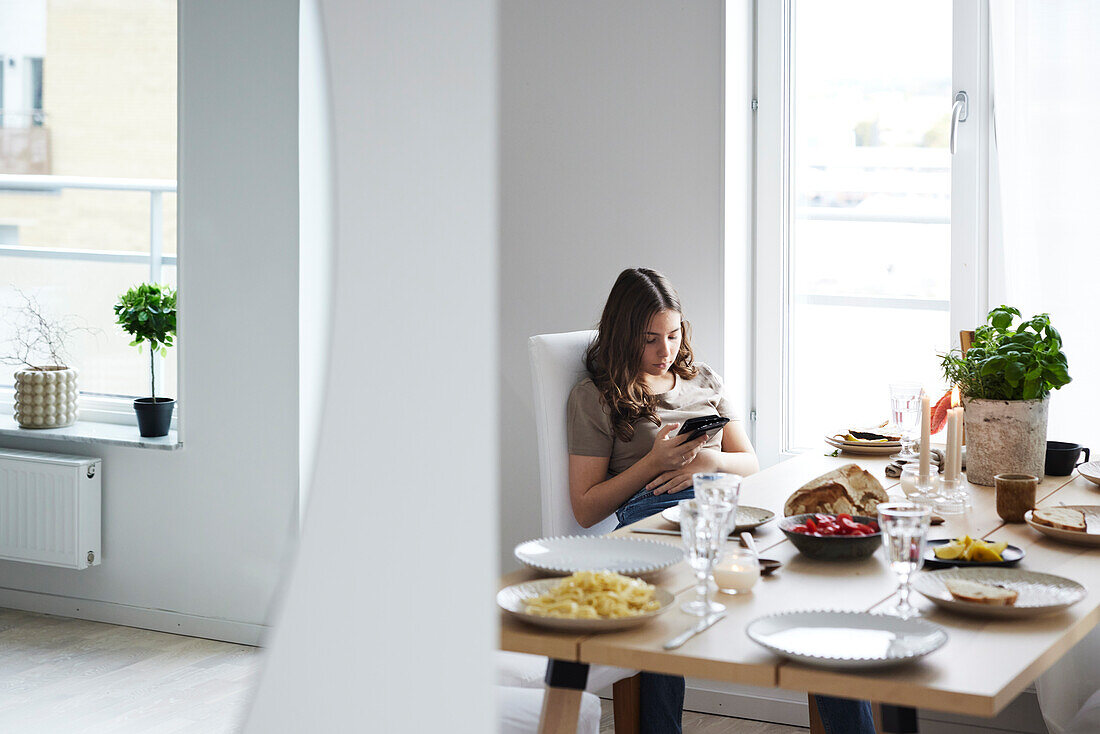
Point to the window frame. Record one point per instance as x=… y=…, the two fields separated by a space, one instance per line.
x=773 y=214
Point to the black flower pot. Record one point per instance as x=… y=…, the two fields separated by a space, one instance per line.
x=154 y=415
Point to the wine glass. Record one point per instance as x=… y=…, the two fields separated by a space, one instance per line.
x=904 y=535
x=718 y=488
x=703 y=527
x=905 y=410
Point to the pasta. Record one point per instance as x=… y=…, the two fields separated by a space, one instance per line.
x=595 y=595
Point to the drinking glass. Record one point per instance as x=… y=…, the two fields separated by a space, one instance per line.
x=703 y=527
x=719 y=488
x=905 y=410
x=904 y=536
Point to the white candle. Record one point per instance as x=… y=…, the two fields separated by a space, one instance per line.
x=959 y=442
x=949 y=454
x=736 y=576
x=925 y=437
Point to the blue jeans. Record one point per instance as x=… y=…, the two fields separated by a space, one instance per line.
x=845 y=716
x=662 y=703
x=644 y=503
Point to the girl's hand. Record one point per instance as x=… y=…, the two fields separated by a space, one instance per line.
x=677 y=479
x=670 y=453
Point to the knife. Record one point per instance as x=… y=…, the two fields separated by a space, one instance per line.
x=662 y=531
x=683 y=637
x=656 y=531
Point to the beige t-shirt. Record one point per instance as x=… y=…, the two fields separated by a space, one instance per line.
x=591 y=434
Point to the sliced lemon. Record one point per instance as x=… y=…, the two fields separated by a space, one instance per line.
x=950 y=551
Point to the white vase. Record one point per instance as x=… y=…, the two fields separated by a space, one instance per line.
x=45 y=397
x=1005 y=436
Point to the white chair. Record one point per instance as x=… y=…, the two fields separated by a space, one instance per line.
x=520 y=708
x=557 y=364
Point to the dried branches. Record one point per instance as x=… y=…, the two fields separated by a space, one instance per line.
x=38 y=340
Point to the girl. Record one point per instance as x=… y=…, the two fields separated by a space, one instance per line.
x=624 y=454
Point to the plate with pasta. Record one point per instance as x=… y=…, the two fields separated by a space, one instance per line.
x=586 y=601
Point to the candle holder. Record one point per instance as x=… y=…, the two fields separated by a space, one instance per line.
x=919 y=490
x=952 y=495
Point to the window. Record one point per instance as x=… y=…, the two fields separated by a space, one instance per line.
x=869 y=253
x=87 y=178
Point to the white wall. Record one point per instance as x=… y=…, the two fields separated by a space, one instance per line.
x=611 y=157
x=315 y=228
x=194 y=540
x=389 y=621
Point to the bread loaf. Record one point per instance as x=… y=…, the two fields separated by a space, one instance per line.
x=979 y=593
x=847 y=489
x=1060 y=517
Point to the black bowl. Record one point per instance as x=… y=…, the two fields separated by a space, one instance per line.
x=832 y=547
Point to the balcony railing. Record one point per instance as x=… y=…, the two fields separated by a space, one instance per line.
x=105 y=408
x=52 y=184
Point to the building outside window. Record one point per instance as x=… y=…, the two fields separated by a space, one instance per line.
x=88 y=177
x=870 y=254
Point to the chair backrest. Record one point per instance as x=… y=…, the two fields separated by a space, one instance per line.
x=557 y=364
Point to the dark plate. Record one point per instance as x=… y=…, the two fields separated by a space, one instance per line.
x=1011 y=555
x=832 y=547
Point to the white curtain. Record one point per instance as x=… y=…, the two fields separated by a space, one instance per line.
x=1044 y=230
x=1044 y=219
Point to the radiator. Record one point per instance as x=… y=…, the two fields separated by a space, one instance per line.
x=50 y=508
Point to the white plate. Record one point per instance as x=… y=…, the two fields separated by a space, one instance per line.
x=1077 y=537
x=629 y=556
x=863 y=449
x=1039 y=593
x=748 y=517
x=833 y=437
x=830 y=639
x=1090 y=471
x=510 y=599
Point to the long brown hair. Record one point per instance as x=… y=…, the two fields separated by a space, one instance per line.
x=614 y=358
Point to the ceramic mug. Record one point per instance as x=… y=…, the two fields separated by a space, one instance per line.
x=1062 y=458
x=1015 y=495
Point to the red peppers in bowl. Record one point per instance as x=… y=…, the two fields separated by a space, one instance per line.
x=820 y=526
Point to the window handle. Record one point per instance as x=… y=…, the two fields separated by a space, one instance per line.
x=958 y=114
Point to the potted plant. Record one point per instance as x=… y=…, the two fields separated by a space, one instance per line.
x=45 y=386
x=147 y=312
x=1005 y=379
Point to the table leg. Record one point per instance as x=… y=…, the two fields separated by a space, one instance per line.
x=561 y=707
x=899 y=720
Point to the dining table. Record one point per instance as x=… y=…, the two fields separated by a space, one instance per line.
x=984 y=665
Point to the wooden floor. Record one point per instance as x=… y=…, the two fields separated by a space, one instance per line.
x=62 y=676
x=696 y=723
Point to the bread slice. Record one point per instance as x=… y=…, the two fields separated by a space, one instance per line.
x=979 y=593
x=1060 y=517
x=848 y=489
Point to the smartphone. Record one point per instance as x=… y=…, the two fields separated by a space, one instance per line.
x=706 y=424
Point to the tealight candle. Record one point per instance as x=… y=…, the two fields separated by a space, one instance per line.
x=737 y=571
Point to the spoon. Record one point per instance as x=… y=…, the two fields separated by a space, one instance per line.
x=768 y=566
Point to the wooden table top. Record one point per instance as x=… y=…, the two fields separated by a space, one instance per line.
x=984 y=665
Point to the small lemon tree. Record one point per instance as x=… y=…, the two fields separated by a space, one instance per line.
x=147 y=312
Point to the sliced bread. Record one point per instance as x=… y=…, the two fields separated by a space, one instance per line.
x=1060 y=517
x=847 y=489
x=980 y=593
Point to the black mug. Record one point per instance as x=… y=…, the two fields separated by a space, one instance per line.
x=1062 y=457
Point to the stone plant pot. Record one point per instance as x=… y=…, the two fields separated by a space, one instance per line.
x=1005 y=436
x=45 y=397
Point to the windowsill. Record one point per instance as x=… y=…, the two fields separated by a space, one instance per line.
x=88 y=432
